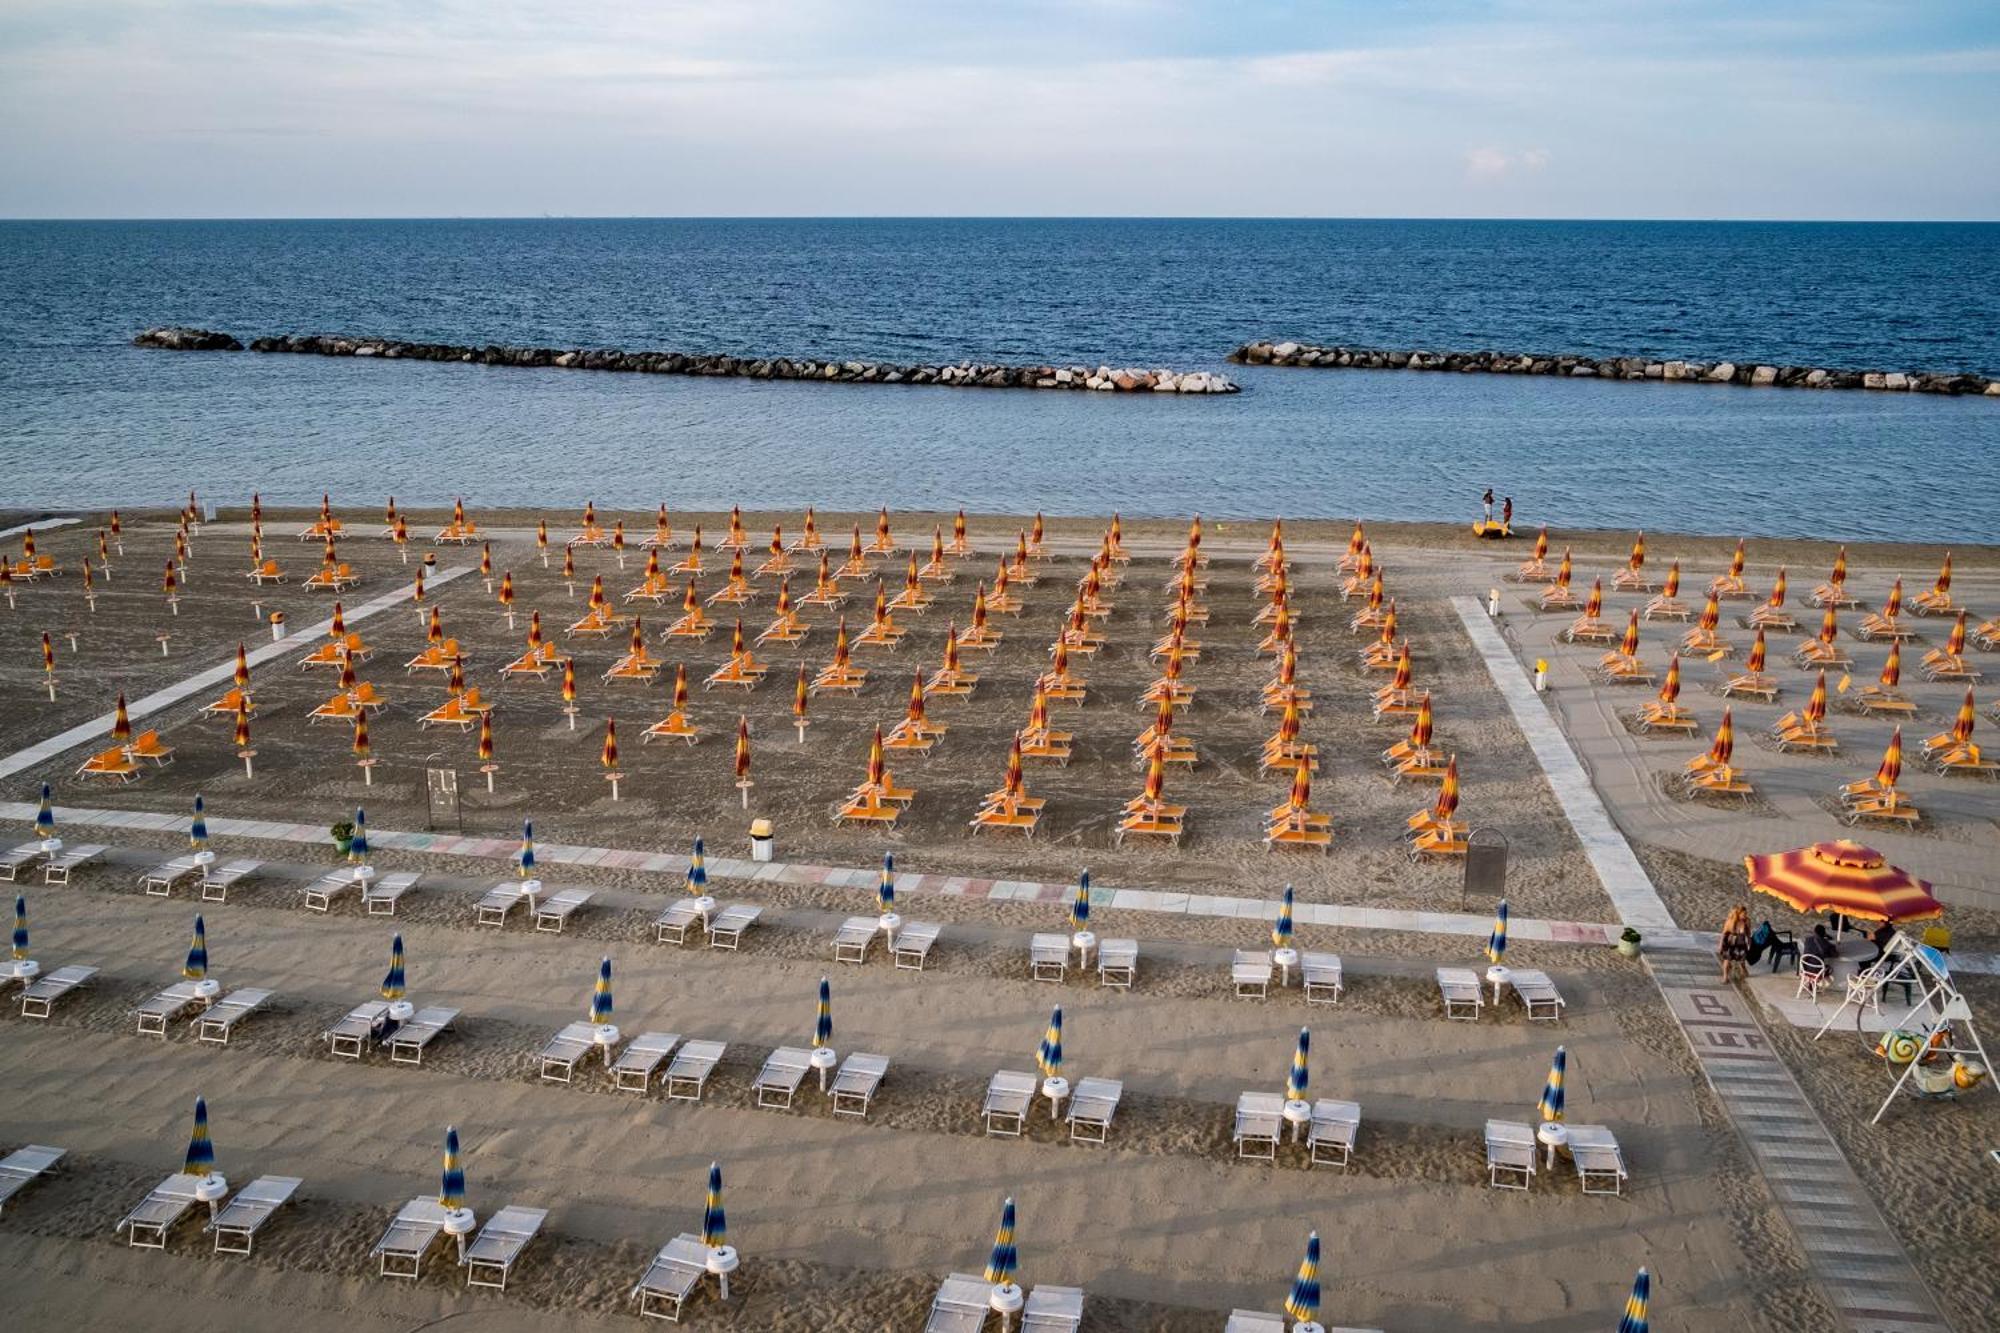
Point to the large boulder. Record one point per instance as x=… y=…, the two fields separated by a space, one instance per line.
x=174 y=338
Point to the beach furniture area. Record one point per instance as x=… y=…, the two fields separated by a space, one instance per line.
x=23 y=1167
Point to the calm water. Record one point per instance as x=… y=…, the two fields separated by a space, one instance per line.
x=83 y=416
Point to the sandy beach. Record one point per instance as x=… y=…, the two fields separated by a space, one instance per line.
x=851 y=1225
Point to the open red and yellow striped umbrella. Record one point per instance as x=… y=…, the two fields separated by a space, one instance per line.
x=1892 y=669
x=1594 y=607
x=1724 y=744
x=1961 y=726
x=1891 y=766
x=1776 y=601
x=1754 y=664
x=1670 y=688
x=1844 y=877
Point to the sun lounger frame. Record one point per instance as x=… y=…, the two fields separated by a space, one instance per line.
x=160 y=880
x=1052 y=1309
x=235 y=1228
x=1250 y=973
x=216 y=879
x=778 y=1081
x=960 y=1306
x=153 y=1217
x=675 y=1274
x=635 y=1066
x=219 y=1020
x=725 y=931
x=380 y=897
x=563 y=1052
x=408 y=1239
x=911 y=947
x=1117 y=963
x=1330 y=1140
x=1510 y=1155
x=1048 y=957
x=1009 y=1096
x=24 y=1166
x=38 y=997
x=1538 y=995
x=1322 y=977
x=851 y=941
x=1260 y=1119
x=59 y=868
x=1594 y=1151
x=491 y=1256
x=408 y=1041
x=688 y=1075
x=172 y=1003
x=1459 y=988
x=854 y=1087
x=1093 y=1103
x=354 y=1033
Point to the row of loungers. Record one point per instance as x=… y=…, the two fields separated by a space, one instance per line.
x=234 y=1224
x=56 y=867
x=212 y=878
x=724 y=928
x=1010 y=1096
x=489 y=1257
x=961 y=1306
x=370 y=1025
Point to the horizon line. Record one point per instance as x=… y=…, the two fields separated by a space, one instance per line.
x=994 y=217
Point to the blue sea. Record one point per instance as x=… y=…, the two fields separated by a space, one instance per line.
x=85 y=418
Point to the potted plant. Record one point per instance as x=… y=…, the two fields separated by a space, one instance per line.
x=1628 y=942
x=343 y=835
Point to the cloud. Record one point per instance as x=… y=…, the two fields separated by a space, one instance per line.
x=1488 y=164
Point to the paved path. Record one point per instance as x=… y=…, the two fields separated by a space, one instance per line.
x=39 y=525
x=1850 y=1248
x=1610 y=855
x=97 y=728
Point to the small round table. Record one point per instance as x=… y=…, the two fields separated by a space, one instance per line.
x=1499 y=976
x=1552 y=1134
x=1286 y=959
x=1298 y=1114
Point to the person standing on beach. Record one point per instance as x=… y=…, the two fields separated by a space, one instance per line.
x=1733 y=949
x=1507 y=515
x=1488 y=499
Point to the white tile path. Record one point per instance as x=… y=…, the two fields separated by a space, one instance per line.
x=85 y=733
x=1853 y=1254
x=39 y=525
x=1624 y=879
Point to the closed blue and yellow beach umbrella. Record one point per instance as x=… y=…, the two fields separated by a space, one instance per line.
x=885 y=884
x=1079 y=905
x=201 y=1151
x=45 y=816
x=1496 y=943
x=1003 y=1263
x=527 y=849
x=697 y=875
x=1636 y=1304
x=392 y=984
x=196 y=966
x=20 y=927
x=714 y=1226
x=1552 y=1091
x=1300 y=1078
x=357 y=851
x=1281 y=930
x=600 y=995
x=451 y=1188
x=198 y=829
x=823 y=1020
x=1303 y=1302
x=1049 y=1057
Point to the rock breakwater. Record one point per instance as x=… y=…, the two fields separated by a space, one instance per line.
x=1757 y=375
x=965 y=374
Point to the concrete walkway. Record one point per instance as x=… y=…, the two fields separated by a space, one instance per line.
x=97 y=728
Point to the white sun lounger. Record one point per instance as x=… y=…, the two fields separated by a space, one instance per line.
x=1599 y=1164
x=500 y=900
x=1250 y=972
x=1330 y=1141
x=853 y=1088
x=778 y=1081
x=1459 y=988
x=1009 y=1094
x=169 y=1004
x=216 y=880
x=1539 y=994
x=160 y=880
x=1259 y=1118
x=20 y=1168
x=671 y=926
x=409 y=1238
x=851 y=941
x=1510 y=1155
x=237 y=1225
x=222 y=1017
x=147 y=1225
x=65 y=862
x=1052 y=1309
x=490 y=1257
x=352 y=1035
x=726 y=930
x=553 y=912
x=960 y=1305
x=1323 y=980
x=322 y=893
x=1117 y=963
x=1254 y=1321
x=1048 y=957
x=559 y=1058
x=635 y=1066
x=18 y=858
x=1092 y=1104
x=912 y=944
x=406 y=1044
x=41 y=994
x=687 y=1076
x=674 y=1275
x=382 y=895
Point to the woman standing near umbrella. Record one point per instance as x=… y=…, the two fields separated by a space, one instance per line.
x=1733 y=950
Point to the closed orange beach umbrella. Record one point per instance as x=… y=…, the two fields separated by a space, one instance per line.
x=361 y=734
x=569 y=562
x=638 y=639
x=1736 y=561
x=1839 y=575
x=48 y=653
x=878 y=767
x=742 y=748
x=486 y=735
x=1420 y=730
x=1670 y=688
x=1829 y=625
x=597 y=593
x=338 y=628
x=1630 y=647
x=121 y=723
x=242 y=673
x=1892 y=668
x=1777 y=599
x=1943 y=584
x=610 y=756
x=417 y=587
x=402 y=533
x=1724 y=744
x=1845 y=877
x=1891 y=767
x=1711 y=614
x=652 y=564
x=1815 y=710
x=1672 y=588
x=457 y=681
x=506 y=593
x=1359 y=538
x=242 y=725
x=1961 y=727
x=167 y=581
x=347 y=677
x=800 y=693
x=1894 y=606
x=542 y=536
x=1156 y=778
x=1594 y=607
x=1637 y=560
x=680 y=686
x=1447 y=798
x=1405 y=669
x=435 y=632
x=690 y=603
x=534 y=629
x=1954 y=643
x=1016 y=781
x=1541 y=543
x=569 y=680
x=618 y=536
x=486 y=560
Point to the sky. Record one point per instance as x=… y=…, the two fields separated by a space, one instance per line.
x=1835 y=109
